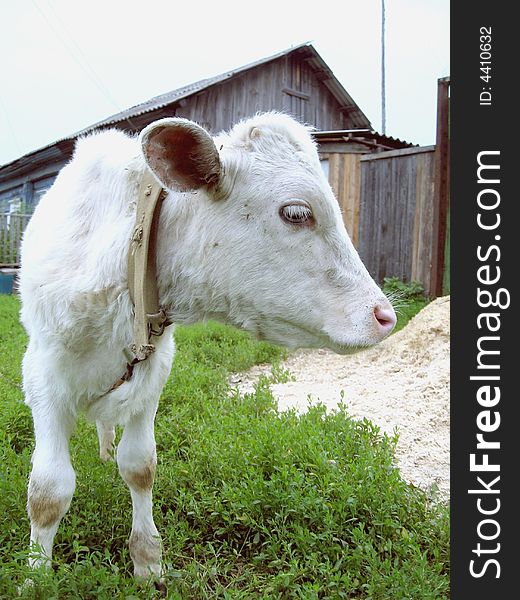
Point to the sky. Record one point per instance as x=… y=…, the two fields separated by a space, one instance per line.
x=67 y=64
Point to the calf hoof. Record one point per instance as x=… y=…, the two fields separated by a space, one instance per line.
x=160 y=586
x=145 y=551
x=151 y=580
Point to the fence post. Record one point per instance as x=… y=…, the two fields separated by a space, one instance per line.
x=12 y=227
x=441 y=188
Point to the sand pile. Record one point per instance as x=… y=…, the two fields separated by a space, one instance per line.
x=401 y=385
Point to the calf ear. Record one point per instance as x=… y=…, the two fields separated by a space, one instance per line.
x=181 y=154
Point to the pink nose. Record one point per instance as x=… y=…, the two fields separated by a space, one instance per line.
x=385 y=318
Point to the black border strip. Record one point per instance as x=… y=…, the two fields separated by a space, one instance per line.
x=484 y=526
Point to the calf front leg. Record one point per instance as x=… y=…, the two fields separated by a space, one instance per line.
x=136 y=459
x=51 y=483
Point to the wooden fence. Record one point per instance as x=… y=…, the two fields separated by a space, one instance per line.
x=396 y=205
x=390 y=210
x=12 y=227
x=345 y=181
x=397 y=224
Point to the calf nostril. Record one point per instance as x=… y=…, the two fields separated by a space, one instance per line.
x=385 y=317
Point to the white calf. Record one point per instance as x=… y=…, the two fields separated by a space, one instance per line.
x=250 y=233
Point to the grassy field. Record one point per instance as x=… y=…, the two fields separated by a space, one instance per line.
x=250 y=503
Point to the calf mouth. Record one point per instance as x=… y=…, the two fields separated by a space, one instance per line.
x=287 y=333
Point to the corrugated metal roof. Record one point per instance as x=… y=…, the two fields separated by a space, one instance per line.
x=338 y=135
x=155 y=103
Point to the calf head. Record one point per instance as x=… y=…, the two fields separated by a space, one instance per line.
x=270 y=234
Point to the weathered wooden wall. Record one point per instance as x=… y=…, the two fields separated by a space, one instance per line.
x=345 y=180
x=396 y=225
x=287 y=84
x=290 y=83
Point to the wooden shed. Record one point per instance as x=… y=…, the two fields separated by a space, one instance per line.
x=297 y=81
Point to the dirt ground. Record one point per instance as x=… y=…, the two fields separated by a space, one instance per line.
x=401 y=385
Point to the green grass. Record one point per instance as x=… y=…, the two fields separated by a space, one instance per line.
x=250 y=503
x=407 y=298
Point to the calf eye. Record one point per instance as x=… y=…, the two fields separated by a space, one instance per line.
x=297 y=214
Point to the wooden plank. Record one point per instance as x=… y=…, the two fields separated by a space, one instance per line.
x=369 y=234
x=356 y=194
x=345 y=193
x=415 y=274
x=351 y=147
x=296 y=93
x=350 y=190
x=334 y=167
x=441 y=187
x=390 y=248
x=422 y=251
x=428 y=224
x=397 y=153
x=342 y=192
x=307 y=77
x=421 y=270
x=410 y=213
x=13 y=242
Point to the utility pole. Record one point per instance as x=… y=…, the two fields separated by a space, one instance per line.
x=383 y=84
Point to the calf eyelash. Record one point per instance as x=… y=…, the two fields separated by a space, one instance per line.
x=297 y=214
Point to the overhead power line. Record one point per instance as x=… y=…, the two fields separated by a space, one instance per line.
x=76 y=53
x=383 y=74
